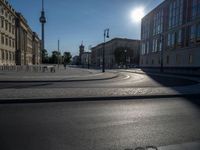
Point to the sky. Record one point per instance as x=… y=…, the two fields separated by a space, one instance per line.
x=74 y=21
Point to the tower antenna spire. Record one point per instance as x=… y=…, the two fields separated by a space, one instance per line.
x=42 y=21
x=42 y=5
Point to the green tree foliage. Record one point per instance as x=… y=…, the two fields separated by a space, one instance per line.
x=120 y=55
x=45 y=57
x=54 y=57
x=67 y=57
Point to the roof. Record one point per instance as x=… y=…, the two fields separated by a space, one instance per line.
x=116 y=39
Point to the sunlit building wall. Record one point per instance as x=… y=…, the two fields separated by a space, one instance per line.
x=116 y=44
x=174 y=28
x=36 y=49
x=7 y=34
x=27 y=43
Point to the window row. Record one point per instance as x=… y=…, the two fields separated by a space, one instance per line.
x=168 y=60
x=145 y=29
x=6 y=55
x=5 y=40
x=174 y=39
x=7 y=26
x=8 y=15
x=175 y=13
x=195 y=9
x=158 y=22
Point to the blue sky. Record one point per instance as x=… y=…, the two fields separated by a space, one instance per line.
x=73 y=21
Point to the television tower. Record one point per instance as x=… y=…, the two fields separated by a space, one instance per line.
x=42 y=21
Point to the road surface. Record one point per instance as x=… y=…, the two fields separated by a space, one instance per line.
x=99 y=125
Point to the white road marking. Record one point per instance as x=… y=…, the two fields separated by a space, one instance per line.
x=127 y=77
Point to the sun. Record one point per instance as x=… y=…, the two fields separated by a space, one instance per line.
x=137 y=14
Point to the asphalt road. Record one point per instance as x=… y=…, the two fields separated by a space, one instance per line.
x=124 y=80
x=99 y=125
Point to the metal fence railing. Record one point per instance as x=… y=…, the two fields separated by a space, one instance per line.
x=28 y=68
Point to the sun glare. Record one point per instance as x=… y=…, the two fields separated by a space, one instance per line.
x=137 y=14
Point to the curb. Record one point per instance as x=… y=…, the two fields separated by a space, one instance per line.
x=92 y=99
x=59 y=80
x=164 y=75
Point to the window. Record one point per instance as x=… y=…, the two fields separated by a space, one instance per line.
x=158 y=22
x=10 y=27
x=157 y=45
x=10 y=56
x=190 y=59
x=143 y=49
x=178 y=59
x=179 y=37
x=195 y=10
x=6 y=55
x=198 y=32
x=13 y=56
x=6 y=25
x=167 y=60
x=2 y=54
x=13 y=43
x=2 y=39
x=171 y=40
x=10 y=42
x=159 y=60
x=192 y=33
x=2 y=22
x=2 y=11
x=152 y=61
x=6 y=41
x=175 y=13
x=13 y=30
x=147 y=47
x=145 y=29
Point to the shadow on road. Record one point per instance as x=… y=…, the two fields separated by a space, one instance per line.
x=194 y=98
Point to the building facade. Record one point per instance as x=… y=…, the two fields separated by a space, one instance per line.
x=118 y=52
x=7 y=33
x=36 y=50
x=86 y=59
x=170 y=35
x=27 y=43
x=19 y=45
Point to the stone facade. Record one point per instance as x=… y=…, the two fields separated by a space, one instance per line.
x=171 y=34
x=36 y=49
x=7 y=34
x=86 y=59
x=131 y=47
x=19 y=45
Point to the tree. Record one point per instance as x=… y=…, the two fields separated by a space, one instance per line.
x=120 y=55
x=67 y=57
x=45 y=58
x=54 y=57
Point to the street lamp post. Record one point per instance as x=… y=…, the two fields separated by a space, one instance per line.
x=125 y=51
x=161 y=53
x=58 y=54
x=106 y=35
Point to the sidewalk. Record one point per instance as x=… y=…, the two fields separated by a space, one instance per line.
x=161 y=74
x=185 y=146
x=70 y=74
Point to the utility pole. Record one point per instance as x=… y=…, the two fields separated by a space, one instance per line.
x=58 y=53
x=161 y=53
x=42 y=21
x=106 y=35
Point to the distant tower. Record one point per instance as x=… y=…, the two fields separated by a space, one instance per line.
x=81 y=49
x=42 y=21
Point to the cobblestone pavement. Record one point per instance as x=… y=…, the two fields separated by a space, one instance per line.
x=113 y=84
